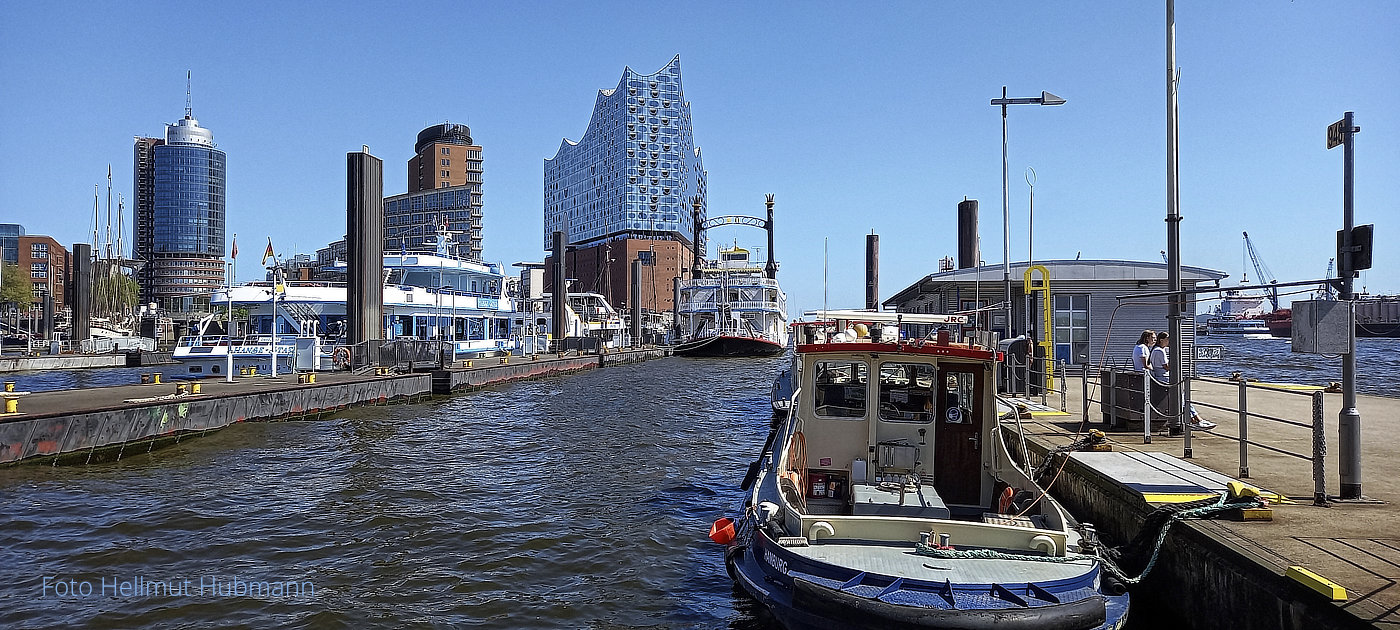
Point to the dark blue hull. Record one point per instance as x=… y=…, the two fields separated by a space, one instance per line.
x=803 y=601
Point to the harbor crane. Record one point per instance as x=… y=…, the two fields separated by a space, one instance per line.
x=1262 y=273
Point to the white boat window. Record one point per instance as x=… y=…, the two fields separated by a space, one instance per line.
x=840 y=388
x=960 y=389
x=906 y=392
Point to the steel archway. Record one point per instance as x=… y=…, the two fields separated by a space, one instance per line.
x=734 y=219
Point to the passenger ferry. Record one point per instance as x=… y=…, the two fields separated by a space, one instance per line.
x=886 y=498
x=1236 y=326
x=587 y=315
x=427 y=297
x=731 y=308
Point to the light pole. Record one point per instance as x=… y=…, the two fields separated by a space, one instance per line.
x=1045 y=98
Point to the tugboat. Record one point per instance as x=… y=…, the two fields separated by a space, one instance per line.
x=732 y=309
x=887 y=499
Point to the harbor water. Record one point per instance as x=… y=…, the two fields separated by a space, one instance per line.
x=1272 y=360
x=580 y=501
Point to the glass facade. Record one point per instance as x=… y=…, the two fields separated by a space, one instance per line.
x=9 y=242
x=188 y=215
x=411 y=220
x=635 y=170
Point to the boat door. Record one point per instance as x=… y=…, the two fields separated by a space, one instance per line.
x=957 y=434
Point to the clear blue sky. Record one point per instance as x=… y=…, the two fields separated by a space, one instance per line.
x=856 y=116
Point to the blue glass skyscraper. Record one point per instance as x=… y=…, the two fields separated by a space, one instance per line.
x=632 y=176
x=180 y=215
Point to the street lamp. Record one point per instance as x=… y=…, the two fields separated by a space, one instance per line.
x=1045 y=98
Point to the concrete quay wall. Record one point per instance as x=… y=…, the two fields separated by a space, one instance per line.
x=1207 y=575
x=82 y=361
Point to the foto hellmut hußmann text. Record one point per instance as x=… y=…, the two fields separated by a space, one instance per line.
x=205 y=586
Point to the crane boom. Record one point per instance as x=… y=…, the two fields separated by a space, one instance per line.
x=1261 y=270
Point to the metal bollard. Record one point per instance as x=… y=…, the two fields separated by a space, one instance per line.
x=11 y=404
x=196 y=388
x=9 y=386
x=181 y=388
x=1244 y=429
x=301 y=378
x=1084 y=392
x=311 y=378
x=252 y=370
x=1319 y=452
x=505 y=360
x=145 y=379
x=155 y=378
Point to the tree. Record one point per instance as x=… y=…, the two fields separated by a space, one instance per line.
x=15 y=286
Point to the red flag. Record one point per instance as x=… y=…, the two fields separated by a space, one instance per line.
x=234 y=253
x=267 y=254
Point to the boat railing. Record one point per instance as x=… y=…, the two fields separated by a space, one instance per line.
x=733 y=282
x=737 y=305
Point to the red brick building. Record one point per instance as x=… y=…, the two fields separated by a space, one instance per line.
x=47 y=264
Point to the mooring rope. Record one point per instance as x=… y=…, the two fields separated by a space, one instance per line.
x=1220 y=505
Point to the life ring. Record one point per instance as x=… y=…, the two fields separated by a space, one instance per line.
x=1004 y=501
x=341 y=358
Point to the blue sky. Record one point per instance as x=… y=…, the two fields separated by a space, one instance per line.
x=858 y=117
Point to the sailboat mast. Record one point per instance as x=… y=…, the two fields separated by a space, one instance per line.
x=108 y=248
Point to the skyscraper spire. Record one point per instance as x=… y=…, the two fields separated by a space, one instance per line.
x=189 y=112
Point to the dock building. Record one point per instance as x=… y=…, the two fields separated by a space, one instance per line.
x=179 y=215
x=1088 y=322
x=625 y=190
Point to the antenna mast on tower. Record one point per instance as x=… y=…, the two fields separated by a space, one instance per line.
x=189 y=112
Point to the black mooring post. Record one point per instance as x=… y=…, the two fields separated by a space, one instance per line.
x=636 y=300
x=559 y=289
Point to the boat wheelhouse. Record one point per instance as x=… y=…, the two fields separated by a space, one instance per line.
x=732 y=308
x=888 y=498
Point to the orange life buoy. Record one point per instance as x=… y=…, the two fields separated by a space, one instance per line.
x=341 y=357
x=1004 y=502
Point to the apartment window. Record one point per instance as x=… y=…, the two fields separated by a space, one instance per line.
x=446 y=151
x=1072 y=328
x=446 y=162
x=444 y=173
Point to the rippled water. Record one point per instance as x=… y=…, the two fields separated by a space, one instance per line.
x=1272 y=360
x=569 y=502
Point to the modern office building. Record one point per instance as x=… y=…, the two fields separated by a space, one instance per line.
x=627 y=184
x=179 y=227
x=9 y=242
x=46 y=262
x=444 y=188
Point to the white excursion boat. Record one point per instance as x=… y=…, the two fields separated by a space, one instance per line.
x=460 y=303
x=886 y=497
x=732 y=309
x=587 y=315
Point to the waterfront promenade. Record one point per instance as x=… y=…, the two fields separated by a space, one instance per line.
x=1355 y=544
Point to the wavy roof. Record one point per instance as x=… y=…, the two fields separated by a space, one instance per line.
x=604 y=94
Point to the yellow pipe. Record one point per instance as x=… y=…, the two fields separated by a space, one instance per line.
x=1047 y=315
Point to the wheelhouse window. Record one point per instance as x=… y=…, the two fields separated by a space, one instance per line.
x=906 y=392
x=840 y=388
x=959 y=390
x=1072 y=328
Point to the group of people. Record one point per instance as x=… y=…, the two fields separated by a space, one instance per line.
x=1150 y=357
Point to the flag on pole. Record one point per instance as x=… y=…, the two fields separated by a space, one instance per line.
x=267 y=254
x=234 y=252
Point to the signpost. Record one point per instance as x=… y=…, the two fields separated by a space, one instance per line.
x=1343 y=132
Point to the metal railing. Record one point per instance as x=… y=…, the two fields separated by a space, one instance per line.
x=1027 y=376
x=1111 y=407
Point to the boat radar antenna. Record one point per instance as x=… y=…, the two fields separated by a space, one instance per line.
x=189 y=111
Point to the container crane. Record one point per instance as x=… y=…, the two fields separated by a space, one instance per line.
x=1262 y=273
x=1325 y=291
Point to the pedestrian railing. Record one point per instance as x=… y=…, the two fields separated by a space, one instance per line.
x=1126 y=394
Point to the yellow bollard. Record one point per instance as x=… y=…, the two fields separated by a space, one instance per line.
x=301 y=379
x=196 y=388
x=155 y=378
x=505 y=360
x=9 y=386
x=468 y=362
x=11 y=404
x=181 y=388
x=311 y=378
x=252 y=370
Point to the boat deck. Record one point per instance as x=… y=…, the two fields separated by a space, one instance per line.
x=899 y=560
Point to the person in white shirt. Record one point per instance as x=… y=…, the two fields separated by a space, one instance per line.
x=1142 y=350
